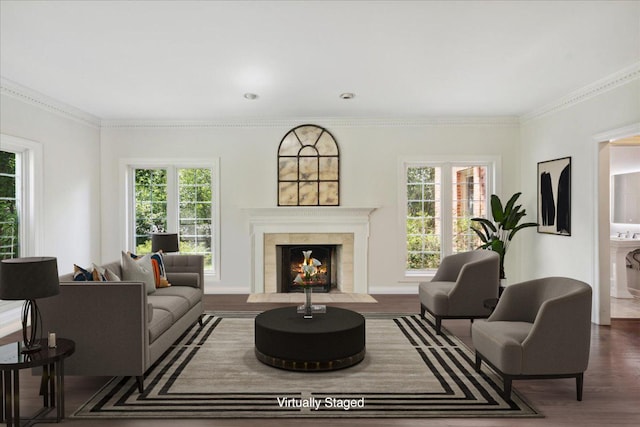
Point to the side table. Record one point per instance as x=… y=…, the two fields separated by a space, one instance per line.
x=12 y=360
x=491 y=303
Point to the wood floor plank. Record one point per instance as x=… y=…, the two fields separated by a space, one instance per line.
x=611 y=388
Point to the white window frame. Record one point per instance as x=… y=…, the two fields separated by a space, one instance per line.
x=32 y=194
x=130 y=165
x=493 y=164
x=31 y=197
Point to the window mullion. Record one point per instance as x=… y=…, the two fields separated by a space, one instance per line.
x=446 y=200
x=24 y=203
x=130 y=237
x=173 y=200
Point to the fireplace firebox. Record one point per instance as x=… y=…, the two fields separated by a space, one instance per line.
x=290 y=265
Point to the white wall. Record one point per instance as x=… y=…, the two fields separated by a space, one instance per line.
x=369 y=178
x=570 y=132
x=71 y=165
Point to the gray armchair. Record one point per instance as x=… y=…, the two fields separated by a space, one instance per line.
x=539 y=329
x=460 y=286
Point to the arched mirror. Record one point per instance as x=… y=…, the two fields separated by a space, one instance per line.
x=308 y=168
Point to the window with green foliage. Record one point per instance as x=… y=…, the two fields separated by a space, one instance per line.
x=150 y=206
x=424 y=217
x=195 y=219
x=441 y=199
x=9 y=205
x=175 y=199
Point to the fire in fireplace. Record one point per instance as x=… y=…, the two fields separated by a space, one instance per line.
x=292 y=259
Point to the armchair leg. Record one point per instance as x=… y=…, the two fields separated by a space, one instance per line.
x=140 y=382
x=507 y=388
x=200 y=321
x=422 y=311
x=478 y=362
x=438 y=325
x=579 y=384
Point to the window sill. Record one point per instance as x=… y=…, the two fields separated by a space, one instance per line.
x=417 y=276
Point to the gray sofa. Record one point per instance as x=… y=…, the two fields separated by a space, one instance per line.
x=118 y=328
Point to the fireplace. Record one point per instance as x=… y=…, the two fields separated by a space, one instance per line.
x=346 y=227
x=290 y=259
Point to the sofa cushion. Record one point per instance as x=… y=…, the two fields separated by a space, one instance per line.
x=184 y=279
x=161 y=321
x=176 y=306
x=192 y=295
x=138 y=270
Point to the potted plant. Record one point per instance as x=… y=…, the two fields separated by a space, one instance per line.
x=497 y=234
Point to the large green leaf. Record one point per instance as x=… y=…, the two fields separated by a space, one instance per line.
x=509 y=206
x=486 y=229
x=513 y=219
x=487 y=223
x=497 y=245
x=483 y=236
x=496 y=209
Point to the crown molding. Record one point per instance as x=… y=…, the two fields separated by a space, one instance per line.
x=624 y=132
x=25 y=94
x=30 y=96
x=620 y=78
x=617 y=79
x=326 y=122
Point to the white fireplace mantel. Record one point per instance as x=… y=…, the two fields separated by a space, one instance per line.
x=310 y=220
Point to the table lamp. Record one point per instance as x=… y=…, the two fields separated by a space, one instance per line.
x=165 y=242
x=29 y=279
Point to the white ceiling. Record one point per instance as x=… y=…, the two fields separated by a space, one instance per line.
x=195 y=60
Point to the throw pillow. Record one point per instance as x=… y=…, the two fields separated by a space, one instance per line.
x=101 y=274
x=94 y=274
x=82 y=274
x=139 y=270
x=159 y=272
x=111 y=276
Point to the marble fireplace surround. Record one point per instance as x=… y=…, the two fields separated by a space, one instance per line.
x=343 y=226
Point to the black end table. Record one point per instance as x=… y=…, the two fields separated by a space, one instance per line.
x=491 y=303
x=329 y=341
x=12 y=360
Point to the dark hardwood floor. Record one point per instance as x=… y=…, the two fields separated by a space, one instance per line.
x=611 y=385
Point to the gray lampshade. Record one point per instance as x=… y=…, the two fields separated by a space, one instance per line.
x=165 y=242
x=29 y=278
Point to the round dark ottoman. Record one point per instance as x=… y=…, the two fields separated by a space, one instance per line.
x=328 y=341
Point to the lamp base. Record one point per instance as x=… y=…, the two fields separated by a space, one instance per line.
x=30 y=314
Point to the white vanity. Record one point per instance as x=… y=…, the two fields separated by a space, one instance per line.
x=620 y=247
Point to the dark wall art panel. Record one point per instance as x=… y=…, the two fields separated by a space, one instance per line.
x=554 y=196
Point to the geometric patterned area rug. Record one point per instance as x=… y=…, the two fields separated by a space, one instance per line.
x=408 y=372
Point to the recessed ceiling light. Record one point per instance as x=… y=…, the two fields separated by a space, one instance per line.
x=250 y=95
x=347 y=95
